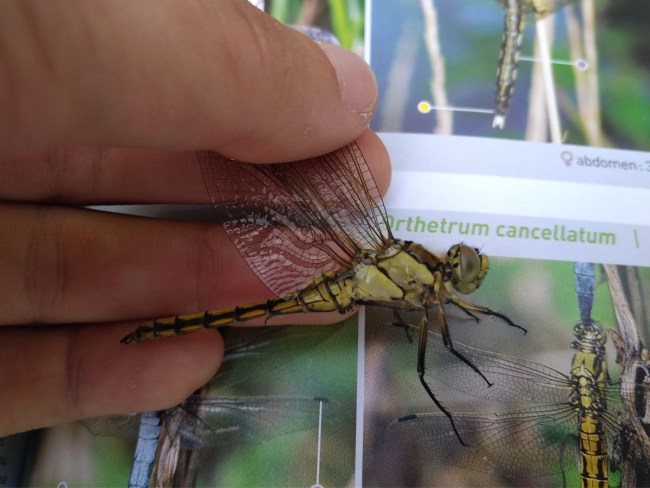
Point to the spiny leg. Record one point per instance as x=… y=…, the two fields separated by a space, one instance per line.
x=398 y=321
x=469 y=307
x=446 y=339
x=422 y=346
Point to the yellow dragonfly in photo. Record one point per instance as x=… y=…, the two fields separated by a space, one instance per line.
x=544 y=423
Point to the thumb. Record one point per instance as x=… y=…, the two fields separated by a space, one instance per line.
x=176 y=75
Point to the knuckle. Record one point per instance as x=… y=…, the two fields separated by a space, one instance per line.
x=71 y=168
x=45 y=265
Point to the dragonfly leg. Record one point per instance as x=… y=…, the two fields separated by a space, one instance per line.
x=446 y=339
x=469 y=308
x=398 y=321
x=422 y=346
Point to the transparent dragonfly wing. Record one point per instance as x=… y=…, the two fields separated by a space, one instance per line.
x=256 y=351
x=294 y=221
x=533 y=430
x=213 y=418
x=252 y=352
x=125 y=425
x=243 y=420
x=506 y=445
x=201 y=422
x=515 y=380
x=541 y=8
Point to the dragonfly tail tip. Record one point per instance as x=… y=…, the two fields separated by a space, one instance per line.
x=129 y=339
x=499 y=121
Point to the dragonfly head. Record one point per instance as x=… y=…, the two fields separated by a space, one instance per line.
x=468 y=267
x=590 y=334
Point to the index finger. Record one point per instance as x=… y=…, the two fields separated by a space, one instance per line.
x=100 y=175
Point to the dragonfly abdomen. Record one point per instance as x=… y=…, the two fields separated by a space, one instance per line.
x=593 y=451
x=327 y=293
x=508 y=60
x=589 y=376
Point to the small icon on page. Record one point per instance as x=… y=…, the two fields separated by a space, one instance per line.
x=567 y=157
x=424 y=107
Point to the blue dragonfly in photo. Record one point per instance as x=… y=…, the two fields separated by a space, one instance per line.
x=216 y=416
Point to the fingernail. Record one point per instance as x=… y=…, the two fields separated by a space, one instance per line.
x=356 y=80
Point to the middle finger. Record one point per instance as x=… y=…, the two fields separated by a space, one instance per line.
x=103 y=175
x=70 y=264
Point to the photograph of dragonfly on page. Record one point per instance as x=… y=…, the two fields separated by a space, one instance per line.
x=515 y=12
x=536 y=426
x=559 y=66
x=628 y=295
x=269 y=402
x=317 y=234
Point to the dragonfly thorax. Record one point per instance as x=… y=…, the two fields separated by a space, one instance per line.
x=403 y=270
x=392 y=273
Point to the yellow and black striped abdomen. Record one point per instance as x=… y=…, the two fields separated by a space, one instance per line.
x=589 y=378
x=328 y=293
x=593 y=452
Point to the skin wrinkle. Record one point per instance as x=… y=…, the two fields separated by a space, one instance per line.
x=74 y=374
x=95 y=171
x=9 y=408
x=40 y=46
x=43 y=61
x=45 y=267
x=228 y=56
x=61 y=265
x=314 y=110
x=107 y=57
x=271 y=63
x=8 y=86
x=92 y=80
x=259 y=36
x=10 y=73
x=60 y=169
x=67 y=171
x=31 y=270
x=77 y=170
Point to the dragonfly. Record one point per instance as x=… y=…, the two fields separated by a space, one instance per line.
x=222 y=415
x=317 y=235
x=558 y=418
x=513 y=30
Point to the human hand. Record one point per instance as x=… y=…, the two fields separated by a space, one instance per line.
x=83 y=87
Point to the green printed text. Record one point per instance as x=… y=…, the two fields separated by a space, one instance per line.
x=553 y=232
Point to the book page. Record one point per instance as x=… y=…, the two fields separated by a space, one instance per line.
x=555 y=175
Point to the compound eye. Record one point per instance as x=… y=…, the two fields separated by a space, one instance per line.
x=468 y=268
x=469 y=264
